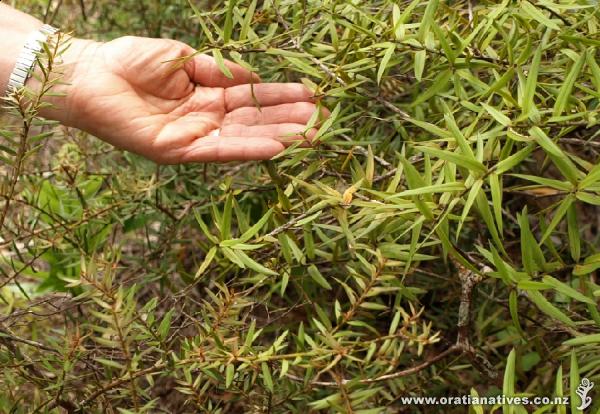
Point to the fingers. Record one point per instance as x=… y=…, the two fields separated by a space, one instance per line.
x=286 y=132
x=223 y=149
x=266 y=94
x=299 y=113
x=238 y=142
x=206 y=72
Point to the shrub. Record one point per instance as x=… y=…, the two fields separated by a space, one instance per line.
x=439 y=238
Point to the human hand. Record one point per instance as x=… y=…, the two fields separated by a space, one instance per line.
x=130 y=93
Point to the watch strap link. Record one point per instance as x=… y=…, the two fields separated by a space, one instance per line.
x=27 y=57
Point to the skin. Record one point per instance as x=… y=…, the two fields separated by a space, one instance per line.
x=140 y=95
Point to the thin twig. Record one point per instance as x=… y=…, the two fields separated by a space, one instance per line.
x=386 y=377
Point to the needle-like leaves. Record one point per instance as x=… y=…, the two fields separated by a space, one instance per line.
x=435 y=217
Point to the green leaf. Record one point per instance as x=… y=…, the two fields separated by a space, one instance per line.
x=441 y=35
x=165 y=325
x=508 y=384
x=513 y=308
x=558 y=387
x=546 y=143
x=567 y=290
x=573 y=233
x=532 y=256
x=594 y=67
x=560 y=159
x=435 y=130
x=574 y=380
x=225 y=225
x=206 y=262
x=375 y=410
x=303 y=66
x=228 y=26
x=285 y=365
x=429 y=189
x=428 y=19
x=455 y=158
x=548 y=308
x=200 y=18
x=318 y=277
x=110 y=363
x=251 y=232
x=266 y=376
x=583 y=340
x=547 y=182
x=473 y=193
x=590 y=264
x=204 y=228
x=496 y=192
x=537 y=14
x=482 y=204
x=560 y=212
x=503 y=270
x=464 y=145
x=512 y=161
x=229 y=373
x=221 y=63
x=477 y=408
x=591 y=178
x=439 y=83
x=567 y=86
x=326 y=402
x=407 y=12
x=250 y=335
x=501 y=82
x=420 y=57
x=285 y=279
x=497 y=115
x=531 y=83
x=385 y=60
x=285 y=52
x=528 y=284
x=308 y=219
x=247 y=20
x=588 y=198
x=327 y=123
x=369 y=168
x=251 y=264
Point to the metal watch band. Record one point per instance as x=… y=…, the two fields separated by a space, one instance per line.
x=27 y=58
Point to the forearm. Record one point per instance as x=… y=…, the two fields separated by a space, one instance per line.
x=15 y=28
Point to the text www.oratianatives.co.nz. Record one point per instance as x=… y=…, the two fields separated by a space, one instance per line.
x=473 y=400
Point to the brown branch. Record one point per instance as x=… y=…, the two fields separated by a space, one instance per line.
x=6 y=335
x=398 y=374
x=110 y=386
x=468 y=280
x=286 y=225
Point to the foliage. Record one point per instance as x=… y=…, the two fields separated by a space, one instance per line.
x=440 y=236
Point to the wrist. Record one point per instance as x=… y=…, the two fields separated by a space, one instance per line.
x=70 y=69
x=17 y=27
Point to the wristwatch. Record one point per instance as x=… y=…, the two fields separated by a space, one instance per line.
x=27 y=58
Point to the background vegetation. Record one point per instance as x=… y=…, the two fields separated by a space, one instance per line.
x=440 y=238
